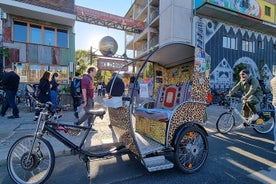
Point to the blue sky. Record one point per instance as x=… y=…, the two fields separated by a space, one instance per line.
x=88 y=35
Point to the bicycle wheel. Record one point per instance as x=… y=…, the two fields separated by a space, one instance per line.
x=225 y=122
x=191 y=149
x=33 y=168
x=265 y=127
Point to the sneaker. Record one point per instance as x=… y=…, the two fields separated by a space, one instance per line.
x=254 y=117
x=76 y=114
x=13 y=117
x=35 y=118
x=274 y=148
x=93 y=130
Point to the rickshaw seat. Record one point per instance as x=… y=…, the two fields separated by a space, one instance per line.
x=168 y=97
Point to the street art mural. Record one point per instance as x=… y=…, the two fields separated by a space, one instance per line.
x=248 y=7
x=209 y=36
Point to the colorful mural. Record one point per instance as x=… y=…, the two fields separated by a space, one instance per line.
x=248 y=7
x=209 y=35
x=254 y=8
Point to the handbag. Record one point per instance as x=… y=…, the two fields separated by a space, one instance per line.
x=114 y=102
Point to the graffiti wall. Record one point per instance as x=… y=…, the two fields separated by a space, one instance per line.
x=229 y=46
x=255 y=8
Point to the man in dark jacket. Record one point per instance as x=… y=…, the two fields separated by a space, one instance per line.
x=118 y=86
x=10 y=82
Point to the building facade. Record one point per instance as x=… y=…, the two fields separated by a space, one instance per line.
x=231 y=32
x=37 y=36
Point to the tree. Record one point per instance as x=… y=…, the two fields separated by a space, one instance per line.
x=83 y=61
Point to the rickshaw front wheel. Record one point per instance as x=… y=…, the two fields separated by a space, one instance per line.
x=191 y=149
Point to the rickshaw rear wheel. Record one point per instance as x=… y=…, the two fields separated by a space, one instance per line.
x=191 y=149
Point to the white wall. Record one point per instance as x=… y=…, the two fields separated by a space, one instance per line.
x=175 y=21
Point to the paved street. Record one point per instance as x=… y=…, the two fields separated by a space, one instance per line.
x=242 y=156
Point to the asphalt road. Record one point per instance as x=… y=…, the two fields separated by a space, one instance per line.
x=242 y=156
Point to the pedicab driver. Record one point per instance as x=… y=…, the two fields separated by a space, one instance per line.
x=252 y=94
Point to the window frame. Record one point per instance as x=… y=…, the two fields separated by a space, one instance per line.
x=63 y=43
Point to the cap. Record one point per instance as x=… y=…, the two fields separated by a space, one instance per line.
x=245 y=72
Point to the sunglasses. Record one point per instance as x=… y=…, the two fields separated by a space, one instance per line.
x=243 y=74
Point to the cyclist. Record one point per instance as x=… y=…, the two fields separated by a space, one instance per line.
x=252 y=94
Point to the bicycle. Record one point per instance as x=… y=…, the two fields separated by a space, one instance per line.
x=226 y=121
x=31 y=158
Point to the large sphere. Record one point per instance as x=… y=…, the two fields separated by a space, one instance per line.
x=108 y=46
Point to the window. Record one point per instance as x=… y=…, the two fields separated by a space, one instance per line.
x=267 y=11
x=248 y=46
x=49 y=36
x=230 y=43
x=20 y=31
x=35 y=34
x=39 y=34
x=21 y=69
x=62 y=38
x=35 y=73
x=260 y=44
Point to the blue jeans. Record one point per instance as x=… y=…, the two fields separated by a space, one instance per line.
x=10 y=102
x=54 y=96
x=89 y=105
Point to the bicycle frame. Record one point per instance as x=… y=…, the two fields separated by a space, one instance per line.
x=48 y=126
x=233 y=109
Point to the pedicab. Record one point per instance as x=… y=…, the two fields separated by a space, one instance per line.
x=162 y=126
x=168 y=115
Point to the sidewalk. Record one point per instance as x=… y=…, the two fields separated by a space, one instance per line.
x=13 y=129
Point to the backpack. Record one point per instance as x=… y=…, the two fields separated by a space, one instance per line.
x=76 y=87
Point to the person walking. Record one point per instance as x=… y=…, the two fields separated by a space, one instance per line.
x=44 y=88
x=75 y=90
x=252 y=94
x=273 y=92
x=87 y=91
x=99 y=89
x=115 y=86
x=10 y=82
x=54 y=90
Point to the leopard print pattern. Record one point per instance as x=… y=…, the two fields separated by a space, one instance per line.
x=120 y=122
x=189 y=111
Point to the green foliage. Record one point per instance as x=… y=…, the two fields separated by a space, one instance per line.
x=83 y=61
x=4 y=52
x=237 y=69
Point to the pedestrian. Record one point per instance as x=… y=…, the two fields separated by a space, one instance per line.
x=103 y=88
x=99 y=89
x=115 y=86
x=10 y=83
x=252 y=94
x=44 y=88
x=75 y=90
x=133 y=89
x=273 y=91
x=87 y=91
x=54 y=90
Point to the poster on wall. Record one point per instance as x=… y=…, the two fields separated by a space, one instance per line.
x=144 y=90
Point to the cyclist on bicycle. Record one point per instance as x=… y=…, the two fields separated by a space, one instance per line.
x=252 y=94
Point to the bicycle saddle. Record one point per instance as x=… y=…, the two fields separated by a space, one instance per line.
x=97 y=112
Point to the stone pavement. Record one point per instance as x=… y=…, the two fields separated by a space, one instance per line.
x=13 y=129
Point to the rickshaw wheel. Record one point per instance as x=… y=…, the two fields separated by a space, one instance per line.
x=191 y=149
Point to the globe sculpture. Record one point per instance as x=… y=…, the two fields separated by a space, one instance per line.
x=108 y=46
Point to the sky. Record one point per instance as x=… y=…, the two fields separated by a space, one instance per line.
x=87 y=35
